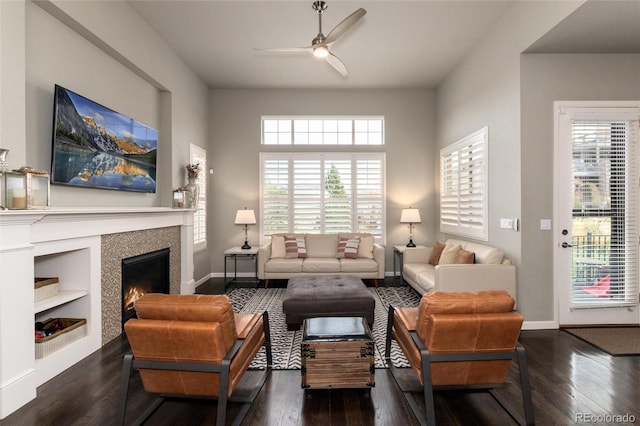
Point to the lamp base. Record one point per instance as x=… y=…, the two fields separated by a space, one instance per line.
x=245 y=246
x=411 y=244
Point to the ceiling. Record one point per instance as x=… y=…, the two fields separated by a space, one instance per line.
x=596 y=27
x=398 y=44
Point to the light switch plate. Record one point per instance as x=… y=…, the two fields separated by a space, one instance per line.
x=506 y=223
x=545 y=224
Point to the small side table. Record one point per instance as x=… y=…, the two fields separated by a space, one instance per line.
x=398 y=252
x=235 y=253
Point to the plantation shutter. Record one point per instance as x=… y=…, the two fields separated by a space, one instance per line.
x=605 y=176
x=337 y=202
x=307 y=196
x=463 y=190
x=199 y=156
x=275 y=196
x=322 y=193
x=369 y=200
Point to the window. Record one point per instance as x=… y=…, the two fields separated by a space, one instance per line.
x=322 y=130
x=199 y=155
x=463 y=186
x=322 y=193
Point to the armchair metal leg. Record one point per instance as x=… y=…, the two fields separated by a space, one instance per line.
x=429 y=405
x=124 y=387
x=267 y=339
x=406 y=392
x=247 y=401
x=529 y=417
x=127 y=367
x=222 y=395
x=387 y=346
x=525 y=385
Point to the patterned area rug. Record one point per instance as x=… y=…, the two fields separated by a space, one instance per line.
x=286 y=344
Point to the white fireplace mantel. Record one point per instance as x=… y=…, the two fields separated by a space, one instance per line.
x=72 y=235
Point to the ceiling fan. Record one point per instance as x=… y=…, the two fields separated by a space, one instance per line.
x=320 y=44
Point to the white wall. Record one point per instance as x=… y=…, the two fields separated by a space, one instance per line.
x=235 y=147
x=12 y=81
x=547 y=78
x=484 y=90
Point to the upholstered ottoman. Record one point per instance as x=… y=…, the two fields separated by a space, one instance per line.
x=326 y=296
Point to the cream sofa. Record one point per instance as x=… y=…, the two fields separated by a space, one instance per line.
x=491 y=270
x=321 y=252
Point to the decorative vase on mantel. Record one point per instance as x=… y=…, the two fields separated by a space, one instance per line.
x=192 y=186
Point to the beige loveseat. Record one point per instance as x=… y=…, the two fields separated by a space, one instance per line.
x=321 y=254
x=490 y=269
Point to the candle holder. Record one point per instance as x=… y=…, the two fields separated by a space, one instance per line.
x=26 y=191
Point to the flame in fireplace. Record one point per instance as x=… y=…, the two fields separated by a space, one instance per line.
x=133 y=294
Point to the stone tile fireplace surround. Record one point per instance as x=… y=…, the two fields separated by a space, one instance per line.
x=84 y=248
x=116 y=247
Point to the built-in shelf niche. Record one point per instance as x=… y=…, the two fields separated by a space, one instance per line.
x=76 y=264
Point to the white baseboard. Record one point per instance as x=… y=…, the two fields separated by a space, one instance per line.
x=540 y=325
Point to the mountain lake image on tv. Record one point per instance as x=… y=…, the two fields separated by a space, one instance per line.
x=96 y=147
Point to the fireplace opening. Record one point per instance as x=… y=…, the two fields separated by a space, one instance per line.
x=146 y=273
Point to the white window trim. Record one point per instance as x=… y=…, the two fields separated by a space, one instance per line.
x=198 y=154
x=461 y=227
x=352 y=118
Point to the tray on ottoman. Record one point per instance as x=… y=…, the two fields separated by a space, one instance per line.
x=337 y=352
x=326 y=296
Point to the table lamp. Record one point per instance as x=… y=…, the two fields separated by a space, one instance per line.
x=245 y=217
x=410 y=216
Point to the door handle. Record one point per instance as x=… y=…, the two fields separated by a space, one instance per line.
x=566 y=245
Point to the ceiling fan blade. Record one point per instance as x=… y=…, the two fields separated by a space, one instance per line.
x=284 y=49
x=343 y=26
x=337 y=64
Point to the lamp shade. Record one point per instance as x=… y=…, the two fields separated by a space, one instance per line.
x=245 y=217
x=410 y=216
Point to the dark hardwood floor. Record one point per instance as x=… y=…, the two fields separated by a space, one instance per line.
x=571 y=380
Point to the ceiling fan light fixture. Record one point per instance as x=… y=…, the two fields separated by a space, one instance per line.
x=320 y=44
x=320 y=51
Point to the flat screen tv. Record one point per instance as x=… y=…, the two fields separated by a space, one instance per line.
x=96 y=147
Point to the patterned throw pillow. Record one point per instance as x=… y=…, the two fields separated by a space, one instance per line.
x=348 y=248
x=295 y=247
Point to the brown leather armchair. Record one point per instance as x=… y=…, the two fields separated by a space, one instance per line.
x=193 y=345
x=459 y=340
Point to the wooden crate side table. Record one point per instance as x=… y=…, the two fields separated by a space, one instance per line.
x=337 y=352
